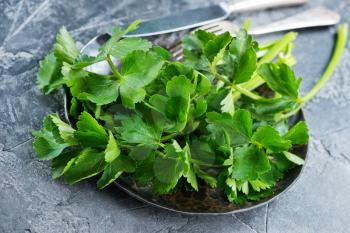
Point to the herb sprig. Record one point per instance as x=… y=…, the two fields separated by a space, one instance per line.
x=170 y=124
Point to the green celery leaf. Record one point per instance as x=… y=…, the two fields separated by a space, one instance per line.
x=89 y=162
x=84 y=60
x=74 y=109
x=178 y=89
x=159 y=102
x=168 y=169
x=135 y=130
x=144 y=171
x=227 y=104
x=48 y=143
x=298 y=134
x=200 y=108
x=202 y=152
x=90 y=132
x=112 y=150
x=259 y=185
x=49 y=76
x=249 y=162
x=281 y=163
x=214 y=99
x=230 y=189
x=280 y=78
x=241 y=60
x=208 y=179
x=268 y=137
x=117 y=33
x=125 y=46
x=65 y=49
x=176 y=69
x=114 y=169
x=256 y=196
x=293 y=158
x=62 y=163
x=189 y=173
x=179 y=86
x=204 y=37
x=271 y=177
x=191 y=43
x=99 y=89
x=161 y=52
x=216 y=46
x=66 y=131
x=203 y=85
x=269 y=107
x=239 y=127
x=141 y=152
x=139 y=69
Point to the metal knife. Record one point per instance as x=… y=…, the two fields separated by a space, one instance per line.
x=205 y=15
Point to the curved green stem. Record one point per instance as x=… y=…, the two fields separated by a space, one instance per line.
x=98 y=111
x=169 y=137
x=279 y=46
x=150 y=106
x=246 y=92
x=240 y=89
x=289 y=114
x=113 y=68
x=339 y=47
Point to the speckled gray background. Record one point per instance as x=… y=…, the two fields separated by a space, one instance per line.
x=31 y=202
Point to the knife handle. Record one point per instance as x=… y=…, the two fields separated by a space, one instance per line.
x=319 y=16
x=252 y=5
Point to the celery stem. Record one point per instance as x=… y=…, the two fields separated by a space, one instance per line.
x=246 y=92
x=169 y=137
x=342 y=35
x=113 y=68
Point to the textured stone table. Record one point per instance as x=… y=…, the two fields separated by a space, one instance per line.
x=31 y=202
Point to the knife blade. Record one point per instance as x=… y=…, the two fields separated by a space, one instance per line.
x=205 y=15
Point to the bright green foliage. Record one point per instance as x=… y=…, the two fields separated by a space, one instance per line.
x=88 y=163
x=48 y=142
x=269 y=138
x=242 y=56
x=114 y=169
x=249 y=162
x=92 y=87
x=65 y=130
x=298 y=134
x=84 y=60
x=280 y=78
x=169 y=168
x=112 y=150
x=177 y=106
x=134 y=130
x=62 y=163
x=139 y=69
x=122 y=48
x=89 y=132
x=65 y=49
x=173 y=124
x=49 y=77
x=238 y=127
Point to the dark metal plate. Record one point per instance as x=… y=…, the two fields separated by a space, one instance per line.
x=206 y=201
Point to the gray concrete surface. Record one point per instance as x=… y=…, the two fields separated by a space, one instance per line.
x=31 y=202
